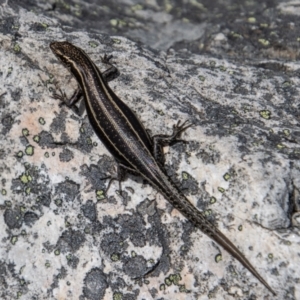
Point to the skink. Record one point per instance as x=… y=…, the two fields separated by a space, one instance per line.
x=127 y=140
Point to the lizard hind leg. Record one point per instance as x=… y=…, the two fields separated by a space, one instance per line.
x=122 y=170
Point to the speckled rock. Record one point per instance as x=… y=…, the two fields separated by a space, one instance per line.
x=62 y=237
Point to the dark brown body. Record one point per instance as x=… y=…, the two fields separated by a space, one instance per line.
x=127 y=140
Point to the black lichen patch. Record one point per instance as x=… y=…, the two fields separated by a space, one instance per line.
x=70 y=241
x=135 y=267
x=133 y=227
x=38 y=27
x=49 y=247
x=189 y=184
x=126 y=228
x=97 y=174
x=209 y=156
x=46 y=140
x=58 y=124
x=45 y=199
x=84 y=141
x=33 y=185
x=13 y=218
x=67 y=190
x=95 y=284
x=9 y=25
x=30 y=218
x=89 y=210
x=147 y=207
x=62 y=273
x=66 y=155
x=9 y=278
x=16 y=94
x=24 y=141
x=158 y=235
x=7 y=123
x=113 y=243
x=188 y=229
x=117 y=283
x=73 y=261
x=96 y=227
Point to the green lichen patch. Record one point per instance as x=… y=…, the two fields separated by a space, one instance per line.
x=100 y=195
x=218 y=258
x=58 y=202
x=185 y=175
x=212 y=63
x=36 y=138
x=19 y=294
x=42 y=121
x=263 y=25
x=264 y=42
x=221 y=190
x=117 y=296
x=14 y=239
x=17 y=48
x=266 y=114
x=118 y=23
x=236 y=35
x=212 y=200
x=286 y=132
x=25 y=178
x=8 y=203
x=168 y=282
x=93 y=44
x=113 y=22
x=183 y=289
x=20 y=154
x=286 y=84
x=29 y=150
x=175 y=278
x=117 y=41
x=227 y=176
x=136 y=7
x=222 y=68
x=208 y=212
x=115 y=257
x=25 y=132
x=280 y=146
x=251 y=20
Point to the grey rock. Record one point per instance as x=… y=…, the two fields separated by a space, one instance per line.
x=61 y=238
